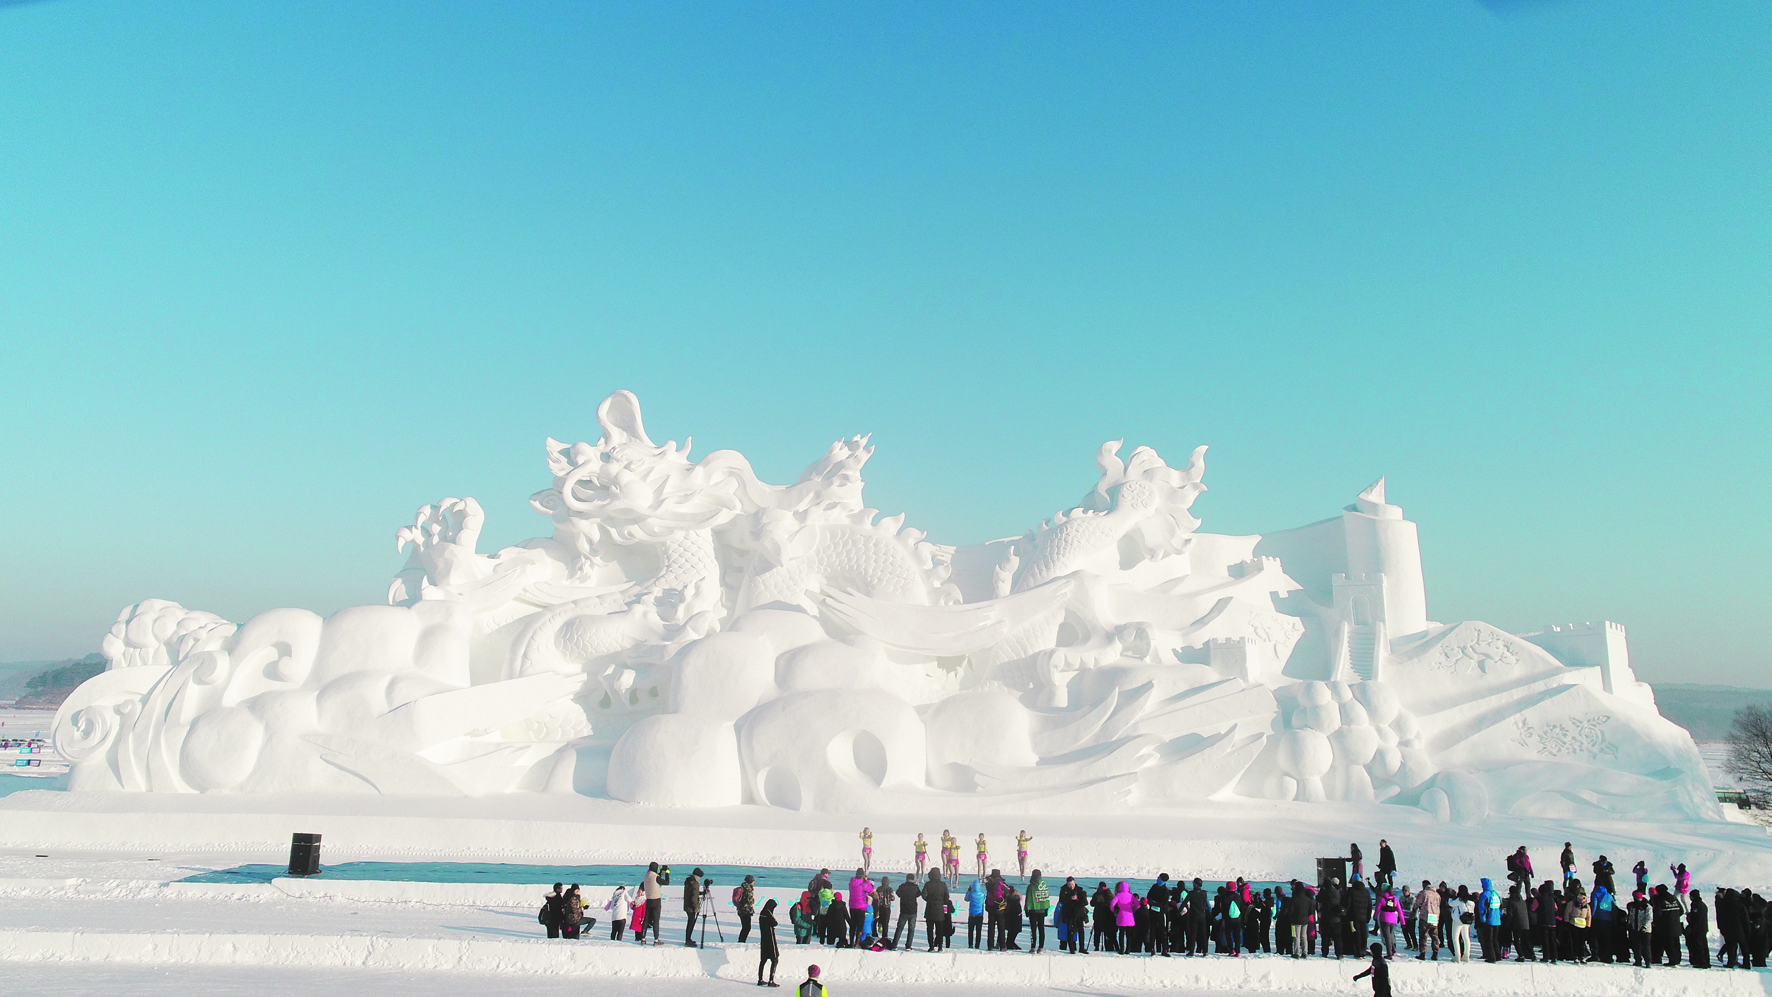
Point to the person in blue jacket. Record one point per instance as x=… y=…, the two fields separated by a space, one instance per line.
x=1605 y=915
x=975 y=901
x=1488 y=920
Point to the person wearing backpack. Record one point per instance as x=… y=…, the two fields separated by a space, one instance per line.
x=744 y=902
x=1390 y=915
x=1460 y=915
x=553 y=910
x=883 y=897
x=803 y=918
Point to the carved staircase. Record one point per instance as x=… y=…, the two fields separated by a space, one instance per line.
x=1362 y=648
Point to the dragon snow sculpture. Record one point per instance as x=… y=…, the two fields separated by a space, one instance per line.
x=688 y=634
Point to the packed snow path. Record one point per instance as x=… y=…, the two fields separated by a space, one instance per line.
x=103 y=921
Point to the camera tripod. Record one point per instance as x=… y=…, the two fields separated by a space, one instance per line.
x=707 y=908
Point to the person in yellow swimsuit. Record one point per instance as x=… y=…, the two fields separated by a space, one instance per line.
x=922 y=854
x=1021 y=851
x=984 y=855
x=867 y=850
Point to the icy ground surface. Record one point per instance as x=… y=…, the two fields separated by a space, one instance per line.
x=119 y=924
x=184 y=981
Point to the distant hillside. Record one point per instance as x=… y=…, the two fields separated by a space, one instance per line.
x=53 y=681
x=14 y=675
x=1705 y=710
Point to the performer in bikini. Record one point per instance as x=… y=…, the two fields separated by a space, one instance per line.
x=984 y=855
x=1021 y=851
x=922 y=854
x=867 y=850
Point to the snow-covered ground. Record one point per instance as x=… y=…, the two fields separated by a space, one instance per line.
x=64 y=980
x=93 y=898
x=122 y=924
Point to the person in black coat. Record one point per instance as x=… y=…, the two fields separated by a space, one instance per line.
x=1330 y=918
x=1698 y=932
x=1665 y=934
x=1357 y=904
x=1603 y=874
x=1387 y=865
x=1516 y=916
x=1727 y=926
x=553 y=911
x=771 y=952
x=1199 y=918
x=1073 y=906
x=1544 y=921
x=938 y=921
x=1380 y=972
x=908 y=894
x=1010 y=932
x=1157 y=899
x=1102 y=903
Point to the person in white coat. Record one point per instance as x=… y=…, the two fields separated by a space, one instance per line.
x=620 y=907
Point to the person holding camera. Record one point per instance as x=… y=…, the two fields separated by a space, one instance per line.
x=692 y=895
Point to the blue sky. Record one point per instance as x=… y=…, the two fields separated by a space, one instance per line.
x=273 y=275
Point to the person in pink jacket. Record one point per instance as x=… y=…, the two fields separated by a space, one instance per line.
x=1125 y=907
x=1390 y=915
x=861 y=897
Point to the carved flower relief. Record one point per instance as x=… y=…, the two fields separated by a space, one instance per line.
x=1482 y=654
x=1585 y=736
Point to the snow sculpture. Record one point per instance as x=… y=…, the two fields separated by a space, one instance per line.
x=689 y=635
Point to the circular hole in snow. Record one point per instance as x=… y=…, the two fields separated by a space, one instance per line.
x=781 y=788
x=870 y=756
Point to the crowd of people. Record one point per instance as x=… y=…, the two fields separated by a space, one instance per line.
x=1559 y=919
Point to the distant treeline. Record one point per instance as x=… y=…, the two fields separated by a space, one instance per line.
x=47 y=689
x=68 y=675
